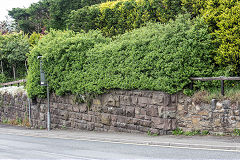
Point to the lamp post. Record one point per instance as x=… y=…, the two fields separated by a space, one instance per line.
x=43 y=82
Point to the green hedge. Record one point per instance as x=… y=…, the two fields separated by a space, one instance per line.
x=117 y=17
x=61 y=51
x=155 y=57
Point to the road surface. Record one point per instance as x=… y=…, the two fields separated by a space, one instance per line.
x=35 y=147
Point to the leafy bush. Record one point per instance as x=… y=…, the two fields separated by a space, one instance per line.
x=3 y=78
x=117 y=17
x=156 y=57
x=61 y=51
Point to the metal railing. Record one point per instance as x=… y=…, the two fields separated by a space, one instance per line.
x=222 y=79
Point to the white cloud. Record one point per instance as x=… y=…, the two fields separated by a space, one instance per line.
x=9 y=4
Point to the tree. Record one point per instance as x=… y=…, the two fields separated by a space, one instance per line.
x=6 y=26
x=31 y=19
x=13 y=49
x=60 y=10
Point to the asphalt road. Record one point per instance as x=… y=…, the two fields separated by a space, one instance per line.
x=26 y=147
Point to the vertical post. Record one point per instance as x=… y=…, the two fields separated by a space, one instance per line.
x=29 y=112
x=191 y=85
x=222 y=87
x=44 y=82
x=48 y=114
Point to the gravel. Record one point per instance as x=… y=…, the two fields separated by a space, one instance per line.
x=13 y=90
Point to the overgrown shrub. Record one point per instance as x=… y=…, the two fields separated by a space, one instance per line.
x=61 y=51
x=156 y=57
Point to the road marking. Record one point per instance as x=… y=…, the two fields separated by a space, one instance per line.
x=168 y=144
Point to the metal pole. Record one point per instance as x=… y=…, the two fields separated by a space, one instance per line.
x=29 y=112
x=48 y=114
x=222 y=87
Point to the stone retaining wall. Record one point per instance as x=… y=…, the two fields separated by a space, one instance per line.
x=125 y=111
x=215 y=117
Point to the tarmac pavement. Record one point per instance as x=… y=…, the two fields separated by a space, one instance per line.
x=222 y=143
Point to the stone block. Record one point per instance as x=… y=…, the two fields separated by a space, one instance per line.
x=105 y=119
x=154 y=131
x=226 y=104
x=195 y=122
x=152 y=111
x=143 y=111
x=85 y=117
x=112 y=101
x=130 y=111
x=97 y=102
x=174 y=124
x=147 y=94
x=167 y=100
x=114 y=118
x=137 y=93
x=110 y=110
x=145 y=123
x=122 y=119
x=43 y=107
x=137 y=111
x=119 y=111
x=69 y=108
x=90 y=126
x=203 y=113
x=126 y=100
x=219 y=106
x=144 y=101
x=157 y=121
x=83 y=108
x=42 y=116
x=134 y=100
x=167 y=124
x=96 y=108
x=131 y=127
x=143 y=129
x=157 y=98
x=76 y=108
x=136 y=121
x=174 y=99
x=180 y=108
x=170 y=114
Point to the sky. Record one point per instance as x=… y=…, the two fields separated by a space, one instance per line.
x=6 y=5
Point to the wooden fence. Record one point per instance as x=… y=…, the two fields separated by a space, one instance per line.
x=13 y=83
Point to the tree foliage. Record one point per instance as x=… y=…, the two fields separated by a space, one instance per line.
x=117 y=17
x=223 y=19
x=13 y=49
x=32 y=19
x=60 y=10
